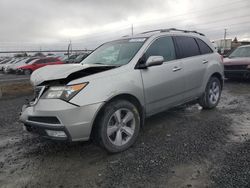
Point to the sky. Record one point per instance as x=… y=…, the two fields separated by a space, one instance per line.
x=51 y=24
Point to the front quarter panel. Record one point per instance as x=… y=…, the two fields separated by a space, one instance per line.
x=112 y=83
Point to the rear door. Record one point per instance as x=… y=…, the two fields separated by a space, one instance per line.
x=193 y=63
x=163 y=84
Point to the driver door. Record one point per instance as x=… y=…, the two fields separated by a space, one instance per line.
x=164 y=85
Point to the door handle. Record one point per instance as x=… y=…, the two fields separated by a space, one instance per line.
x=176 y=69
x=205 y=61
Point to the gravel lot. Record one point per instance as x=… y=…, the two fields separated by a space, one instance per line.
x=183 y=147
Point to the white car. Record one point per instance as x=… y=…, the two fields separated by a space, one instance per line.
x=7 y=63
x=4 y=62
x=6 y=68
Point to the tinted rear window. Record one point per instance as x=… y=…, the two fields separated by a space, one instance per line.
x=187 y=46
x=204 y=48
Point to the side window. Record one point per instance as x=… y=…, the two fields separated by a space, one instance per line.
x=163 y=46
x=52 y=60
x=42 y=61
x=49 y=60
x=39 y=61
x=204 y=48
x=187 y=46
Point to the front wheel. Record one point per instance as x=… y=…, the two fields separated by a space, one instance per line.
x=211 y=97
x=118 y=126
x=27 y=72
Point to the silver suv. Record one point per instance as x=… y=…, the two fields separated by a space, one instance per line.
x=110 y=93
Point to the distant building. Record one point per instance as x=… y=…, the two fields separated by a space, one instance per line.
x=225 y=46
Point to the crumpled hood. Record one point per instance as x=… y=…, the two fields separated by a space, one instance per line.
x=56 y=72
x=236 y=61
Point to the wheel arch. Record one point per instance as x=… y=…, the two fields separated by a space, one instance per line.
x=220 y=77
x=125 y=96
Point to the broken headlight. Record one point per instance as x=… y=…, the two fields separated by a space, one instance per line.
x=63 y=92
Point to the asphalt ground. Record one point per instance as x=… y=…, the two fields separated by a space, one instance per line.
x=182 y=147
x=7 y=78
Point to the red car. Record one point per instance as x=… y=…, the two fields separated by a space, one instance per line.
x=237 y=64
x=28 y=69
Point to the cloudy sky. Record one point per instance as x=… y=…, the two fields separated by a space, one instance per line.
x=51 y=24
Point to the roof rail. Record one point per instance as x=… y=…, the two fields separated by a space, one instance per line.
x=172 y=29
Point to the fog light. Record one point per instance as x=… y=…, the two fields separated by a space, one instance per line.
x=60 y=134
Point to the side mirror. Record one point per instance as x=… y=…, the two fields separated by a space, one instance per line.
x=154 y=61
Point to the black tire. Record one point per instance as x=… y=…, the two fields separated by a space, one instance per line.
x=205 y=100
x=101 y=135
x=27 y=72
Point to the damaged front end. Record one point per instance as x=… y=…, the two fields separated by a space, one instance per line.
x=51 y=113
x=63 y=74
x=51 y=81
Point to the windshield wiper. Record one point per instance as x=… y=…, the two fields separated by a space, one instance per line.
x=99 y=63
x=112 y=65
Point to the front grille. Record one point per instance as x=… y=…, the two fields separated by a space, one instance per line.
x=44 y=119
x=235 y=67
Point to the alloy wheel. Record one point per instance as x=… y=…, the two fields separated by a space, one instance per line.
x=214 y=92
x=121 y=127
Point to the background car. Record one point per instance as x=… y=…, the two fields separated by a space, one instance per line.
x=237 y=64
x=38 y=63
x=2 y=63
x=71 y=58
x=6 y=65
x=26 y=61
x=21 y=71
x=79 y=58
x=8 y=68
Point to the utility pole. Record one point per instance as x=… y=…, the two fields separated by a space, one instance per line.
x=225 y=37
x=69 y=47
x=132 y=29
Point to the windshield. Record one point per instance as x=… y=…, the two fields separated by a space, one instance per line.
x=80 y=57
x=115 y=53
x=240 y=52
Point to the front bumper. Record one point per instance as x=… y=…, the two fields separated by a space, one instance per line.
x=37 y=128
x=57 y=115
x=7 y=71
x=237 y=73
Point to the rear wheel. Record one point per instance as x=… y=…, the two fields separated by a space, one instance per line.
x=118 y=126
x=27 y=72
x=211 y=97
